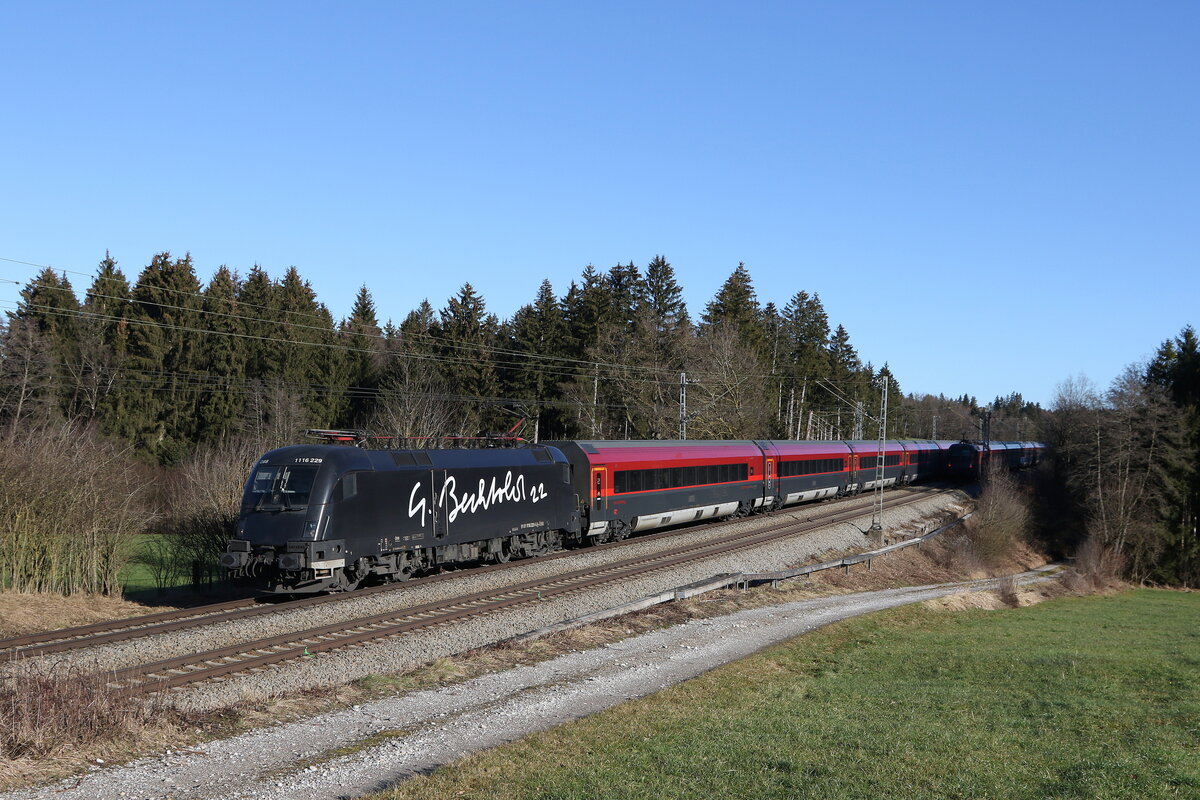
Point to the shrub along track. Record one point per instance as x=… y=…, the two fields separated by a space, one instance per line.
x=265 y=653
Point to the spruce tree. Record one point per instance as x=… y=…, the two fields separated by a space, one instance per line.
x=538 y=332
x=49 y=305
x=103 y=333
x=107 y=304
x=360 y=333
x=843 y=356
x=1175 y=370
x=626 y=293
x=222 y=358
x=664 y=296
x=736 y=305
x=258 y=307
x=587 y=310
x=303 y=360
x=467 y=334
x=419 y=329
x=806 y=331
x=161 y=397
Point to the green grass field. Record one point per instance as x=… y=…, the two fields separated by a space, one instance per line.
x=136 y=576
x=1082 y=697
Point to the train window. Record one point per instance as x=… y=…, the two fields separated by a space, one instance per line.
x=812 y=466
x=643 y=480
x=347 y=487
x=281 y=486
x=891 y=461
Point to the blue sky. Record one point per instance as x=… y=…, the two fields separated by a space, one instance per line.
x=990 y=198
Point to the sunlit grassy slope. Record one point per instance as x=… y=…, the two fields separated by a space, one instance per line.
x=1080 y=697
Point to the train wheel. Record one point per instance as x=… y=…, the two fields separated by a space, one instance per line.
x=344 y=583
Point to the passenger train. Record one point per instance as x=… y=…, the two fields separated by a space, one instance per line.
x=323 y=517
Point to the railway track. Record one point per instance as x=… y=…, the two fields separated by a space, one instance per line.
x=112 y=631
x=266 y=653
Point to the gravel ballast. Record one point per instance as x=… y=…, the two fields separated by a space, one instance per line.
x=419 y=647
x=445 y=724
x=422 y=646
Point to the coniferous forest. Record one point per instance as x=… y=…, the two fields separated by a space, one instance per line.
x=160 y=389
x=166 y=363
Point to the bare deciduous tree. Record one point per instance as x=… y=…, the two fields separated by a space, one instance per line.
x=71 y=505
x=730 y=399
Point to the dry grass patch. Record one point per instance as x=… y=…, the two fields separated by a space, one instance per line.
x=998 y=600
x=22 y=613
x=56 y=719
x=1097 y=569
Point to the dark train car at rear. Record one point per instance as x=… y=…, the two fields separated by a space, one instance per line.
x=324 y=517
x=967 y=462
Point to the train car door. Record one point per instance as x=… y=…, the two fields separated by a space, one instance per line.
x=599 y=493
x=441 y=515
x=770 y=478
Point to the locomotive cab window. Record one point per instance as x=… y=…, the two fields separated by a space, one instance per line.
x=347 y=487
x=281 y=487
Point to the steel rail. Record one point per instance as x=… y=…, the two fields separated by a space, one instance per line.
x=251 y=656
x=83 y=636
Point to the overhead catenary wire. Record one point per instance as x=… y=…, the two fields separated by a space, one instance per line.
x=440 y=341
x=245 y=386
x=705 y=377
x=448 y=351
x=151 y=380
x=588 y=364
x=336 y=346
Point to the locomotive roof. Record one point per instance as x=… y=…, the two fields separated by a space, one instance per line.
x=351 y=458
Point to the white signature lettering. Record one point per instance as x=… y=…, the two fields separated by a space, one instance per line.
x=455 y=502
x=413 y=508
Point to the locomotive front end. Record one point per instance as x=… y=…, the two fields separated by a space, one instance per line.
x=283 y=521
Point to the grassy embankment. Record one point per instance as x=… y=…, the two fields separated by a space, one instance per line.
x=1077 y=697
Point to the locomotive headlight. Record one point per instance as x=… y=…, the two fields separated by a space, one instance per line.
x=310 y=528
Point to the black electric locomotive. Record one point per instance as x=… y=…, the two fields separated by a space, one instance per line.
x=324 y=517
